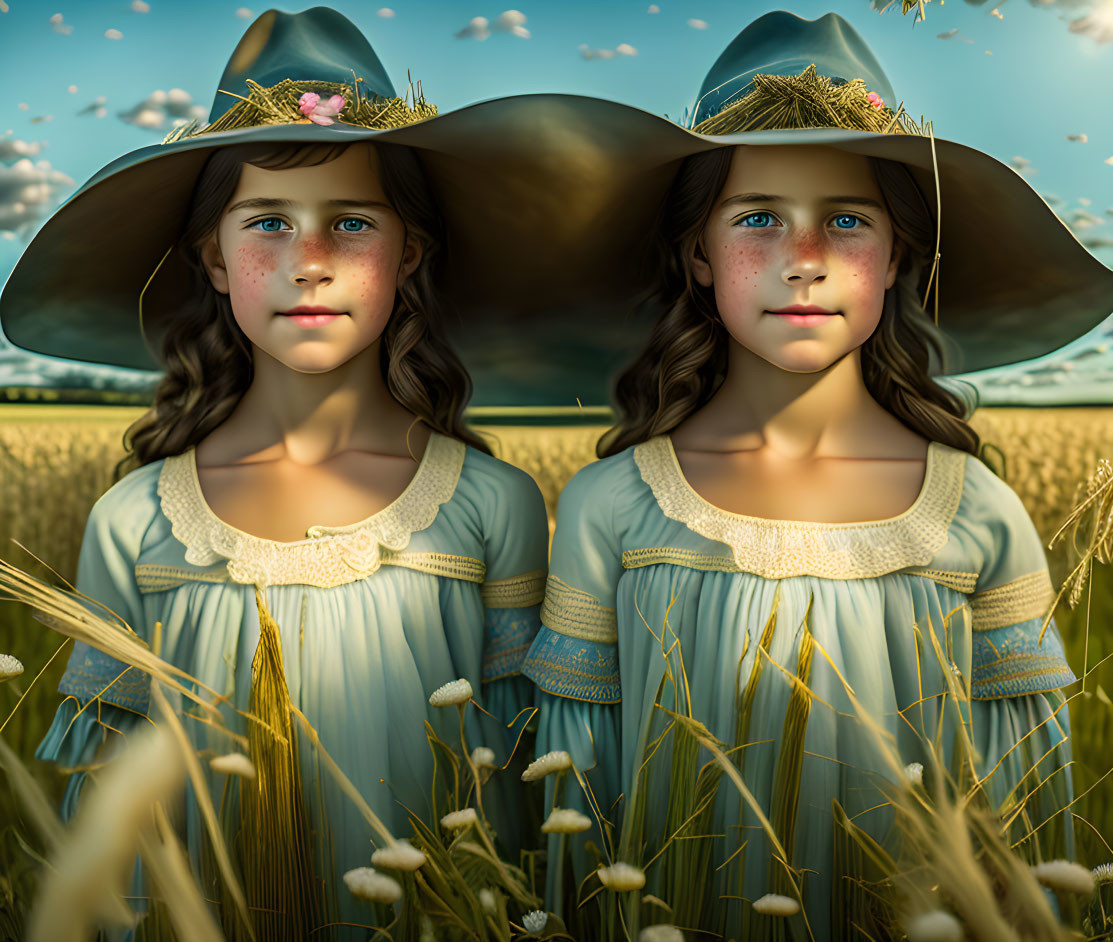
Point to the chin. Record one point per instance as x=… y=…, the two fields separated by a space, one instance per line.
x=802 y=362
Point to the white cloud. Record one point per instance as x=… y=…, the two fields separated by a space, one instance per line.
x=113 y=34
x=478 y=28
x=1085 y=201
x=27 y=190
x=386 y=13
x=697 y=24
x=622 y=49
x=1098 y=24
x=12 y=148
x=60 y=27
x=1022 y=165
x=1080 y=138
x=1108 y=160
x=653 y=8
x=997 y=13
x=175 y=107
x=513 y=22
x=140 y=6
x=42 y=118
x=244 y=13
x=96 y=106
x=23 y=106
x=1083 y=219
x=72 y=89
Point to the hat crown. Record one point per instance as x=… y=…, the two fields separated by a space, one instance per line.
x=782 y=43
x=318 y=44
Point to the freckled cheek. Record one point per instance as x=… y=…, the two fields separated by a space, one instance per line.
x=739 y=272
x=865 y=268
x=372 y=271
x=252 y=270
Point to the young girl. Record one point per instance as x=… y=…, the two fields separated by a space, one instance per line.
x=790 y=509
x=307 y=443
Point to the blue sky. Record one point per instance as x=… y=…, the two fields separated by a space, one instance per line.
x=1041 y=84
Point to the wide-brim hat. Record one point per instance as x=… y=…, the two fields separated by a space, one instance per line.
x=528 y=186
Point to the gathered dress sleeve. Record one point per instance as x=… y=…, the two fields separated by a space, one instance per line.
x=516 y=543
x=104 y=698
x=1019 y=715
x=574 y=659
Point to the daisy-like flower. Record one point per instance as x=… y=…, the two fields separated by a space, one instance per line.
x=621 y=877
x=321 y=112
x=235 y=763
x=1103 y=873
x=483 y=756
x=534 y=922
x=565 y=821
x=544 y=765
x=453 y=693
x=9 y=667
x=660 y=933
x=934 y=926
x=401 y=855
x=1064 y=876
x=772 y=904
x=365 y=883
x=457 y=820
x=914 y=772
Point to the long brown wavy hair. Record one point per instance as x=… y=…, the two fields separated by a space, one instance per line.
x=685 y=359
x=208 y=359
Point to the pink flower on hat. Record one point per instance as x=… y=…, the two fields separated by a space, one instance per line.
x=321 y=112
x=875 y=99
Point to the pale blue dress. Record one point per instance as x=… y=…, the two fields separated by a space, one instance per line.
x=443 y=583
x=644 y=574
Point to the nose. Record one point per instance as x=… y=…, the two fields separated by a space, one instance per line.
x=312 y=265
x=805 y=262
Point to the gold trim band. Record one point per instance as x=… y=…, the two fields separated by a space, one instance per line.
x=1028 y=597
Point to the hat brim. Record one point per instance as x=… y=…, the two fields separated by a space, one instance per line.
x=549 y=201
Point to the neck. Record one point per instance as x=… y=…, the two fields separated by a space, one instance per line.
x=798 y=415
x=317 y=415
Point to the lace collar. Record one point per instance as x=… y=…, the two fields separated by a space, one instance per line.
x=329 y=556
x=777 y=549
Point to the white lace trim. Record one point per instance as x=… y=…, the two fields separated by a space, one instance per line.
x=778 y=549
x=329 y=556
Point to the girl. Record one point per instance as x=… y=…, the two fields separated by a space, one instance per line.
x=789 y=509
x=307 y=443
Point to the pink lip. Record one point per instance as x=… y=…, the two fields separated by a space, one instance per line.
x=804 y=315
x=307 y=315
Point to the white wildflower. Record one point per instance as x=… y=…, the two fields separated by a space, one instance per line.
x=773 y=905
x=914 y=772
x=401 y=855
x=565 y=821
x=427 y=934
x=534 y=922
x=935 y=926
x=621 y=877
x=661 y=933
x=544 y=765
x=235 y=763
x=453 y=693
x=456 y=820
x=487 y=901
x=483 y=756
x=1064 y=877
x=1103 y=873
x=9 y=667
x=365 y=883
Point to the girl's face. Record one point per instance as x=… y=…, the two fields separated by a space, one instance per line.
x=311 y=259
x=799 y=249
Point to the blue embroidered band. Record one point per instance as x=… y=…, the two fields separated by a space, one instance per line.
x=509 y=633
x=574 y=668
x=90 y=671
x=1010 y=661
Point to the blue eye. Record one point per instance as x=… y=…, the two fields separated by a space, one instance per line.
x=363 y=223
x=264 y=225
x=756 y=221
x=846 y=221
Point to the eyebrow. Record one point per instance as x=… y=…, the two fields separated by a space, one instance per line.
x=770 y=198
x=264 y=203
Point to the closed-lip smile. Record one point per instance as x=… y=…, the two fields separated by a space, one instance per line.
x=309 y=309
x=802 y=309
